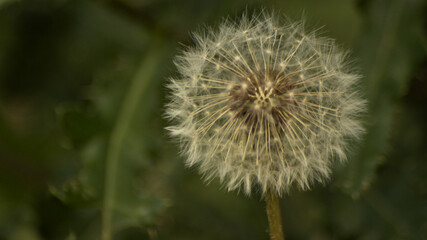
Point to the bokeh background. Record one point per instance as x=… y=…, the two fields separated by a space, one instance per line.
x=82 y=136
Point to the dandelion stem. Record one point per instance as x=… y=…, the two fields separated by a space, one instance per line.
x=273 y=214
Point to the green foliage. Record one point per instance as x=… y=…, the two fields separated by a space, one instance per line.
x=82 y=145
x=390 y=50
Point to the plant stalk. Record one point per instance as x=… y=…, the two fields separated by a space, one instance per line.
x=274 y=216
x=138 y=86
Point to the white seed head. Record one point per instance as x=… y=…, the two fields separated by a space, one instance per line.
x=260 y=103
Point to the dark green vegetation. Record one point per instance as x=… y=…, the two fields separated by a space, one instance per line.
x=82 y=145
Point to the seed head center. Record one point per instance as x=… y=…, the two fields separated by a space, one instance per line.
x=260 y=97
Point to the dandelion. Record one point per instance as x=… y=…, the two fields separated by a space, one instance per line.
x=264 y=104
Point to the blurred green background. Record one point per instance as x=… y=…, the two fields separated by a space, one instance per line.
x=81 y=129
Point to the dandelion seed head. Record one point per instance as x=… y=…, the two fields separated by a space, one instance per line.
x=263 y=103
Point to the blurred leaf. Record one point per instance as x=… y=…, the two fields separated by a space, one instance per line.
x=25 y=232
x=116 y=198
x=71 y=236
x=113 y=158
x=73 y=193
x=324 y=15
x=80 y=124
x=4 y=3
x=390 y=49
x=115 y=131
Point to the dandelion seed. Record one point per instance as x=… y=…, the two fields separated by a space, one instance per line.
x=273 y=105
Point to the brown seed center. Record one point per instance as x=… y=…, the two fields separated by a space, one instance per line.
x=262 y=97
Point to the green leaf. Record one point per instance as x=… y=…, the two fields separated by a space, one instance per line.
x=115 y=199
x=80 y=123
x=390 y=49
x=114 y=131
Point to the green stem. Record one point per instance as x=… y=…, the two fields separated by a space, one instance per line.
x=274 y=215
x=136 y=90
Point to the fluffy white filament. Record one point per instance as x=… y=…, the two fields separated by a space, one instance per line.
x=264 y=103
